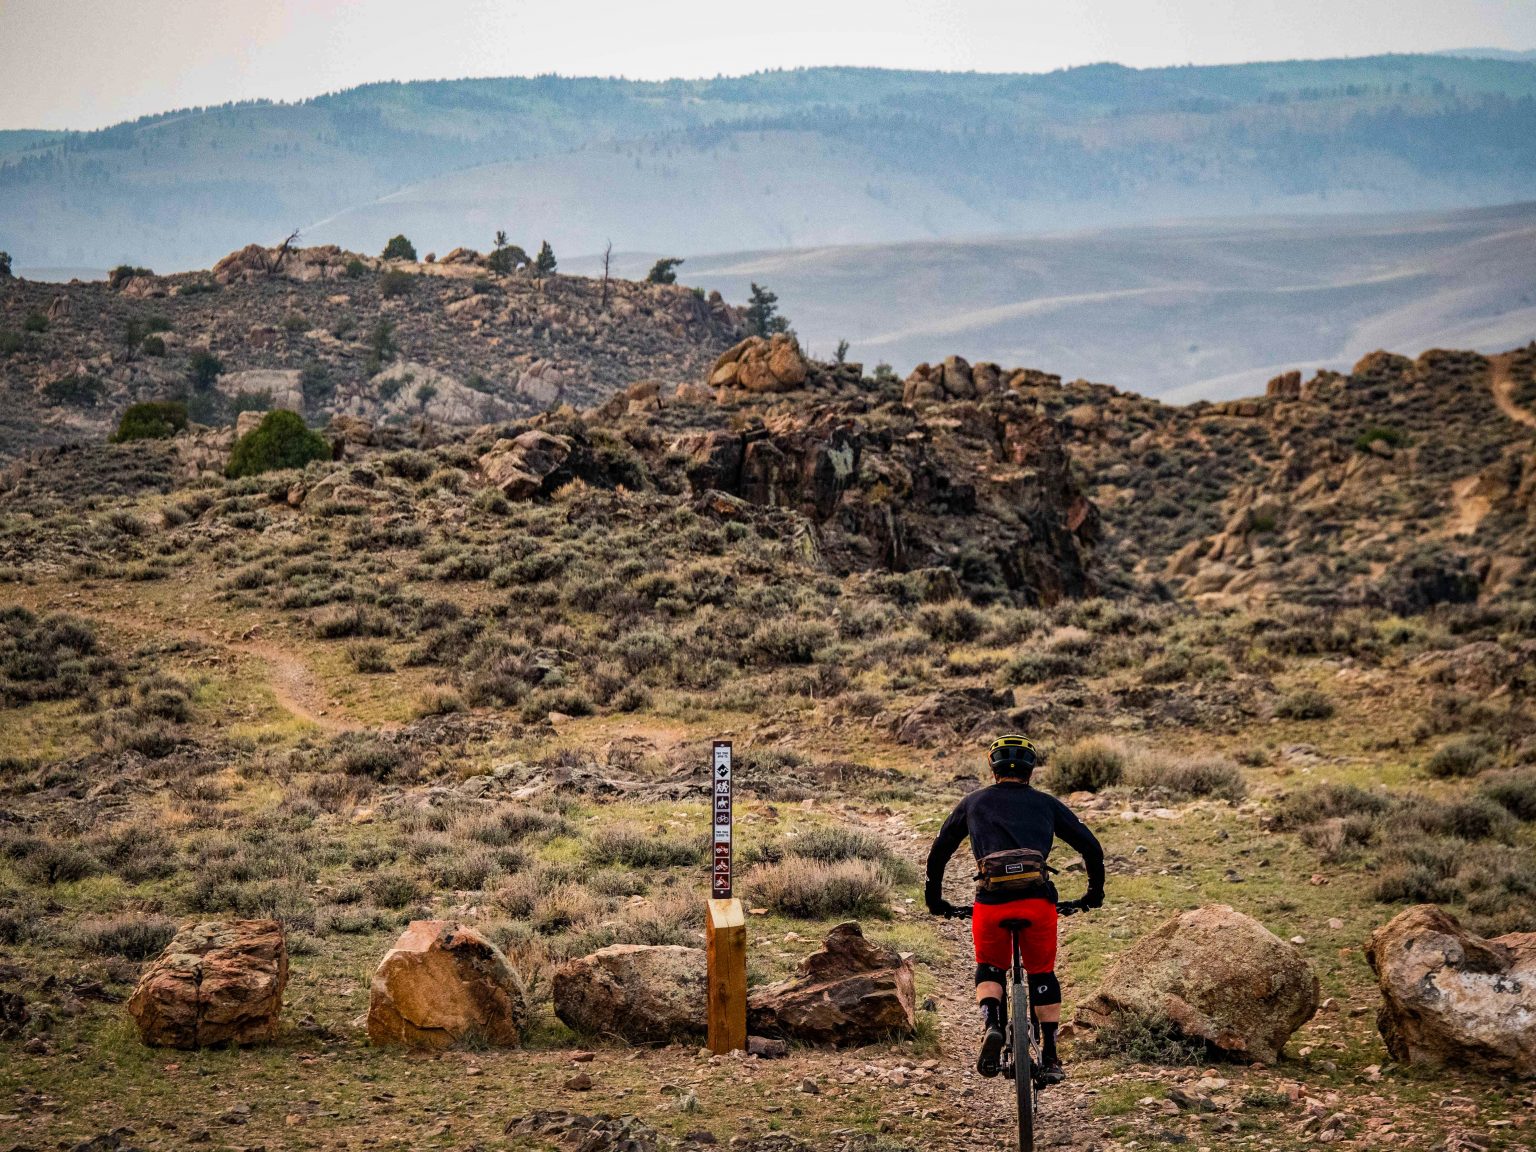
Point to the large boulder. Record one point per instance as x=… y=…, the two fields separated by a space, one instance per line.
x=758 y=365
x=1212 y=975
x=219 y=982
x=444 y=984
x=520 y=466
x=1450 y=998
x=848 y=992
x=647 y=994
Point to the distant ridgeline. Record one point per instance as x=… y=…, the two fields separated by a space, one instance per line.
x=841 y=155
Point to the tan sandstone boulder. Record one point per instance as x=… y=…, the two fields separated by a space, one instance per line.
x=1450 y=998
x=848 y=992
x=647 y=994
x=1213 y=975
x=218 y=982
x=757 y=365
x=520 y=466
x=444 y=984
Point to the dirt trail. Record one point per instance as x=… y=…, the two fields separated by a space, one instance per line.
x=294 y=686
x=1502 y=384
x=987 y=1106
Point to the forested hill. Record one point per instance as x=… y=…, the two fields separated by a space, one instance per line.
x=801 y=157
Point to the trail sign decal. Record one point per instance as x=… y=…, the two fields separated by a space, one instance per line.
x=720 y=876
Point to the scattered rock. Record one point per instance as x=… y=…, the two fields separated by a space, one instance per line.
x=849 y=992
x=444 y=984
x=767 y=1048
x=1451 y=998
x=643 y=993
x=217 y=982
x=1212 y=974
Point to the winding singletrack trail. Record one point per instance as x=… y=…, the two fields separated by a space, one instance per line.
x=1502 y=383
x=294 y=687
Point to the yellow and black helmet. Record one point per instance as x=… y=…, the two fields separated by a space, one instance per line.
x=1013 y=756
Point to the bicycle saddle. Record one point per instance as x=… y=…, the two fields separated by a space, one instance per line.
x=1011 y=924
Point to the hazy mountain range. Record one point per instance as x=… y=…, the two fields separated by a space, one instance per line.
x=774 y=160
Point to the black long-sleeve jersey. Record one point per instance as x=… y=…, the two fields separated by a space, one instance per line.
x=1011 y=814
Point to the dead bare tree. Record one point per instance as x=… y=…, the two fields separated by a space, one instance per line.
x=607 y=258
x=275 y=261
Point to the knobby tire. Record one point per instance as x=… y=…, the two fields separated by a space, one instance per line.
x=1023 y=1068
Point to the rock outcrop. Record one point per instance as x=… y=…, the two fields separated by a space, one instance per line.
x=216 y=983
x=1453 y=999
x=521 y=466
x=1211 y=975
x=848 y=992
x=757 y=365
x=443 y=984
x=905 y=495
x=646 y=994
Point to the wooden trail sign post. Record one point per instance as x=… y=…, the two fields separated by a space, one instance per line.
x=726 y=927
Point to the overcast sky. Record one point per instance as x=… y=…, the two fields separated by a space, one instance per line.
x=87 y=63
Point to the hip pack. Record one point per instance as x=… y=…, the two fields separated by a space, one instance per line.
x=1016 y=871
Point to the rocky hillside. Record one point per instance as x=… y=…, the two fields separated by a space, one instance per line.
x=327 y=332
x=1403 y=484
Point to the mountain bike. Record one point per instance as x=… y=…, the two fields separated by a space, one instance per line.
x=1021 y=1046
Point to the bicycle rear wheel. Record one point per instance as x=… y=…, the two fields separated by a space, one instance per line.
x=1023 y=1069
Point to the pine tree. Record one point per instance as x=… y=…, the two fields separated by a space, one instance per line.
x=399 y=248
x=664 y=271
x=544 y=262
x=763 y=317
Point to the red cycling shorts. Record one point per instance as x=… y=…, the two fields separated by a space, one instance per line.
x=1037 y=943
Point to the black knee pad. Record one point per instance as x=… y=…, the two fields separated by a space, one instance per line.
x=1044 y=988
x=987 y=974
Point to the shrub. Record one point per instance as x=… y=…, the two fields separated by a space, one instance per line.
x=1392 y=437
x=153 y=420
x=1305 y=704
x=955 y=622
x=813 y=890
x=34 y=322
x=203 y=369
x=11 y=343
x=355 y=268
x=153 y=346
x=439 y=702
x=635 y=847
x=372 y=758
x=1188 y=779
x=1327 y=801
x=835 y=843
x=1034 y=666
x=370 y=658
x=1515 y=792
x=1464 y=756
x=133 y=937
x=790 y=641
x=56 y=862
x=281 y=440
x=1146 y=1039
x=399 y=248
x=1090 y=765
x=396 y=283
x=78 y=388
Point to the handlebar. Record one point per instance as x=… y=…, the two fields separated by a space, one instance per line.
x=1063 y=908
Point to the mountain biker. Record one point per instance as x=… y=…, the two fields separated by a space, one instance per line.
x=1007 y=823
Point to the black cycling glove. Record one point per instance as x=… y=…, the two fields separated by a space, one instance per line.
x=937 y=905
x=1094 y=898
